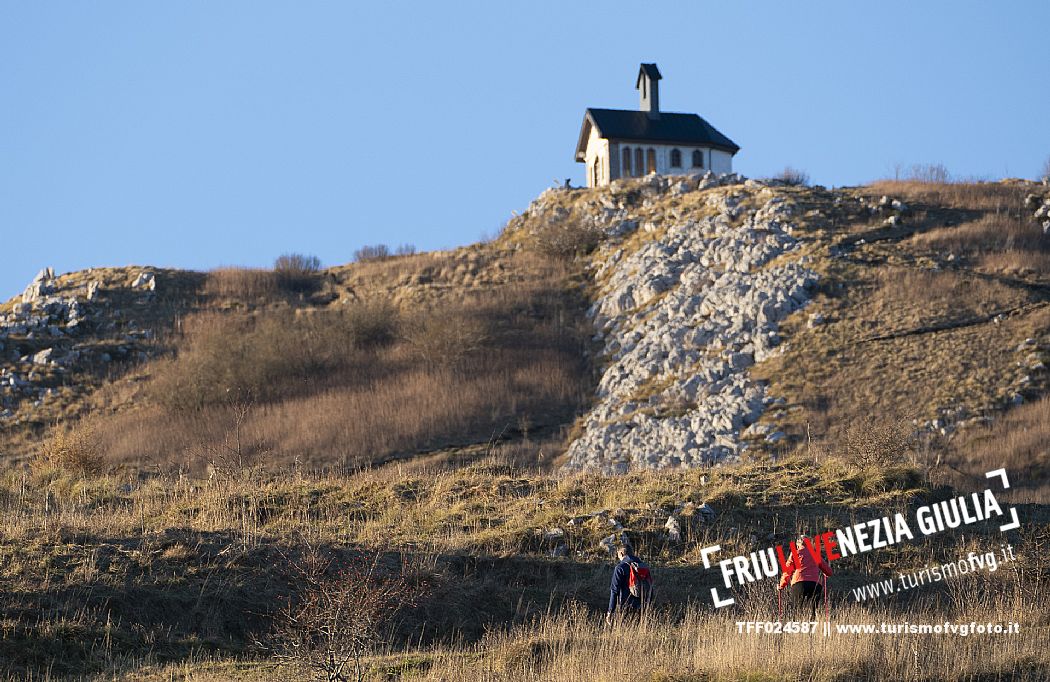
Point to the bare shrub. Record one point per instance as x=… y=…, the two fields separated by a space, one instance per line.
x=566 y=236
x=934 y=173
x=1046 y=169
x=243 y=284
x=440 y=339
x=372 y=252
x=235 y=456
x=793 y=177
x=73 y=449
x=211 y=366
x=296 y=273
x=874 y=445
x=227 y=359
x=405 y=250
x=341 y=612
x=368 y=324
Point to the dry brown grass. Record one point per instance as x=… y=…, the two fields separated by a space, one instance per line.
x=575 y=646
x=923 y=319
x=1019 y=441
x=837 y=374
x=380 y=277
x=1019 y=262
x=366 y=381
x=993 y=242
x=393 y=415
x=908 y=297
x=131 y=575
x=983 y=196
x=250 y=285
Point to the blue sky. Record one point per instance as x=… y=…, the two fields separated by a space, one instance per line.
x=199 y=134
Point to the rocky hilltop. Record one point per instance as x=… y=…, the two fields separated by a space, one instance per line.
x=681 y=319
x=694 y=279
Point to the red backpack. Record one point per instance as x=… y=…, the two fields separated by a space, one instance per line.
x=640 y=581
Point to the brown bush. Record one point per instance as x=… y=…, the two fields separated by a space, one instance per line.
x=341 y=612
x=441 y=339
x=368 y=324
x=876 y=445
x=566 y=237
x=297 y=274
x=372 y=252
x=74 y=449
x=793 y=176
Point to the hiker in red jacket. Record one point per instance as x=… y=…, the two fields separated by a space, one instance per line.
x=803 y=573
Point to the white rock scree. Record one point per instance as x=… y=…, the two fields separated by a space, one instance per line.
x=681 y=320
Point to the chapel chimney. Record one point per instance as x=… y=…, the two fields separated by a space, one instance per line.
x=648 y=85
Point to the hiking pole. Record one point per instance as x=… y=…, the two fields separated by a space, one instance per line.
x=827 y=604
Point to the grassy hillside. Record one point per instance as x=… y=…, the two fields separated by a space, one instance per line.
x=421 y=352
x=171 y=485
x=940 y=321
x=160 y=571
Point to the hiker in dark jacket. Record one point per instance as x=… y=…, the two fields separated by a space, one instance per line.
x=620 y=596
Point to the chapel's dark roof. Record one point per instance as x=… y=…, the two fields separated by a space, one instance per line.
x=638 y=126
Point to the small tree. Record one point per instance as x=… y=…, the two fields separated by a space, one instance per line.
x=340 y=614
x=1046 y=169
x=297 y=273
x=934 y=173
x=793 y=176
x=372 y=252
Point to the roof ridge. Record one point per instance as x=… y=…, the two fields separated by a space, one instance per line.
x=684 y=128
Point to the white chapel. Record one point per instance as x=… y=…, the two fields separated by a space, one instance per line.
x=617 y=143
